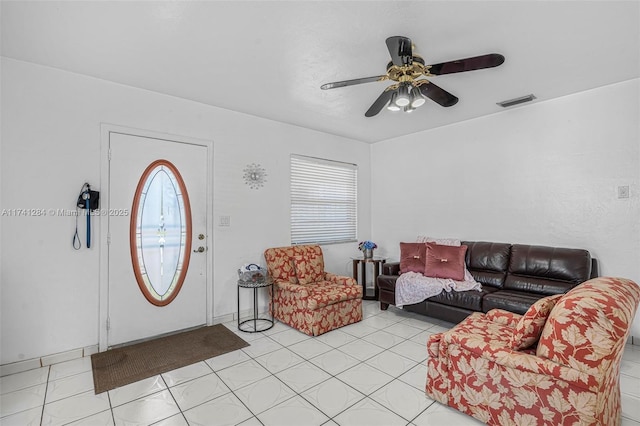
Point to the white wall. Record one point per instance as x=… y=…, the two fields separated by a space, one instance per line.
x=51 y=145
x=546 y=174
x=541 y=174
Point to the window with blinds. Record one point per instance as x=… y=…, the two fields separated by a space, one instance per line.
x=323 y=201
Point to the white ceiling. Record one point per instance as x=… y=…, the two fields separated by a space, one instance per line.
x=269 y=59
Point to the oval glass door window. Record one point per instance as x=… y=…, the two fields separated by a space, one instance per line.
x=160 y=233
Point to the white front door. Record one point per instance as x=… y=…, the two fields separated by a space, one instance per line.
x=155 y=248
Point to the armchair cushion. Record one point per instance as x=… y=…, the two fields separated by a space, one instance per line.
x=308 y=269
x=529 y=328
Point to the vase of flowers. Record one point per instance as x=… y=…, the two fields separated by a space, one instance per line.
x=366 y=247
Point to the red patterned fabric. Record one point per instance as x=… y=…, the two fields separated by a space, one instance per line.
x=503 y=317
x=313 y=307
x=572 y=378
x=530 y=326
x=309 y=269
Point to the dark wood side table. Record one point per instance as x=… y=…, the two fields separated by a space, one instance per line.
x=377 y=266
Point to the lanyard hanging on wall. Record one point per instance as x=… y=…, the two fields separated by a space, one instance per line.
x=89 y=201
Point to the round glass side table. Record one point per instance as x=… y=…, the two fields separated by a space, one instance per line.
x=255 y=323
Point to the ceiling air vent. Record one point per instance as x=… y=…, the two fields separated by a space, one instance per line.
x=516 y=101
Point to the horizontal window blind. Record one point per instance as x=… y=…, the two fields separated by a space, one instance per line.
x=323 y=201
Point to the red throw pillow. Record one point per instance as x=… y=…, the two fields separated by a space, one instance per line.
x=412 y=257
x=529 y=328
x=445 y=261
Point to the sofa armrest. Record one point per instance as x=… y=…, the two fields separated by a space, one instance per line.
x=391 y=268
x=339 y=279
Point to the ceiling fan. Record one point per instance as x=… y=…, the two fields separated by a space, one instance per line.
x=407 y=69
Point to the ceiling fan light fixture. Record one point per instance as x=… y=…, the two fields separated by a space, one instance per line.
x=409 y=108
x=392 y=103
x=402 y=98
x=417 y=98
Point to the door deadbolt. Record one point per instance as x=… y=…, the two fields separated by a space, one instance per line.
x=201 y=237
x=199 y=250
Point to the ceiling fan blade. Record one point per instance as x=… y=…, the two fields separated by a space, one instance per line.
x=438 y=95
x=353 y=82
x=469 y=64
x=400 y=50
x=377 y=106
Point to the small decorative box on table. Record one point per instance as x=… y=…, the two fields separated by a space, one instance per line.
x=254 y=280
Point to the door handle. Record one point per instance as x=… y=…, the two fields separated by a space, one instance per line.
x=200 y=250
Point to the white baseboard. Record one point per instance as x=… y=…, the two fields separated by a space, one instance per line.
x=43 y=361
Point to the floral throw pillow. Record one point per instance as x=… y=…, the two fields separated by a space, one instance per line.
x=529 y=328
x=445 y=261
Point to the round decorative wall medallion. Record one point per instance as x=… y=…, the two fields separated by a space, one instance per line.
x=255 y=176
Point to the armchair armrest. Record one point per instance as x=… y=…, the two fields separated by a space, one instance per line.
x=298 y=290
x=339 y=279
x=503 y=317
x=391 y=268
x=578 y=374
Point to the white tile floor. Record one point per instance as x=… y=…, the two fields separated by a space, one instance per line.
x=370 y=373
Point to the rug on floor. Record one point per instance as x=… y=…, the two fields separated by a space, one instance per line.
x=128 y=364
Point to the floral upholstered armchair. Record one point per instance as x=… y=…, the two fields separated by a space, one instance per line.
x=308 y=298
x=558 y=364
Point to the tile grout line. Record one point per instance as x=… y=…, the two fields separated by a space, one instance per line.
x=46 y=388
x=172 y=397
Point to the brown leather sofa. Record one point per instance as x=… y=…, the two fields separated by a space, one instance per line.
x=513 y=277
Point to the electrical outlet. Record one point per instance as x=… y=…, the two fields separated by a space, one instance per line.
x=623 y=191
x=224 y=221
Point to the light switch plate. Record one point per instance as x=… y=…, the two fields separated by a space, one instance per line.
x=623 y=191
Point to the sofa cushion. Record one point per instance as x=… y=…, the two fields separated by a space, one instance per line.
x=412 y=257
x=547 y=270
x=488 y=262
x=471 y=299
x=509 y=300
x=529 y=328
x=445 y=261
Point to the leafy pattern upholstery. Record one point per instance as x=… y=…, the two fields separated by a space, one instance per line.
x=503 y=317
x=315 y=301
x=530 y=326
x=571 y=378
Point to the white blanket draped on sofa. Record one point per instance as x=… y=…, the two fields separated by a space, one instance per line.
x=413 y=287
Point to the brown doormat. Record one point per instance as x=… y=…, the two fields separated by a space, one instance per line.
x=128 y=364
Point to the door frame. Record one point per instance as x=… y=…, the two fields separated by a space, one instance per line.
x=103 y=280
